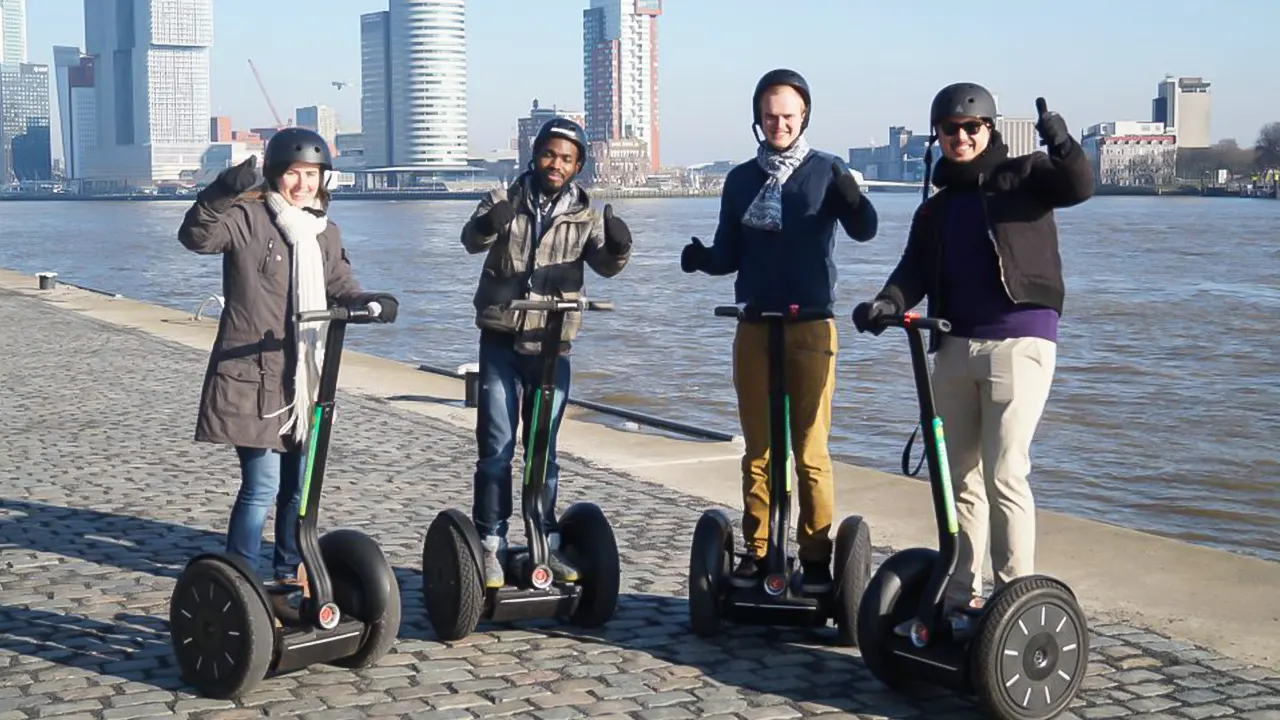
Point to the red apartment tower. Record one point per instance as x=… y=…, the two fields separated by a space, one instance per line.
x=620 y=68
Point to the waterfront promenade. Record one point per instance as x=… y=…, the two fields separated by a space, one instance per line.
x=103 y=497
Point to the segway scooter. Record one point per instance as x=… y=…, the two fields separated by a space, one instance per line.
x=228 y=631
x=1029 y=648
x=779 y=597
x=452 y=555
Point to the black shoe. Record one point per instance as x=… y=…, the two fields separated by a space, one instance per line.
x=748 y=572
x=817 y=577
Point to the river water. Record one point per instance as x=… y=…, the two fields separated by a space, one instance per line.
x=1163 y=412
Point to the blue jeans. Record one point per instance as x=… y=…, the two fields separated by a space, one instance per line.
x=267 y=478
x=506 y=375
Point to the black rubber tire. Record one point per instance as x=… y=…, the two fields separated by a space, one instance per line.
x=588 y=541
x=1010 y=622
x=365 y=588
x=893 y=595
x=210 y=601
x=452 y=588
x=853 y=572
x=710 y=557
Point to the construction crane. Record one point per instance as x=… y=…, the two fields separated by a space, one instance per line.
x=263 y=88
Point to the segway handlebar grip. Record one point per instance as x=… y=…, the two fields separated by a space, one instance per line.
x=346 y=314
x=792 y=313
x=559 y=305
x=914 y=320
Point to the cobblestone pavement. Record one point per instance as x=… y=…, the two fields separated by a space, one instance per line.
x=105 y=495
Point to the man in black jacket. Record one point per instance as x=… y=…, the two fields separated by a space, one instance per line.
x=984 y=252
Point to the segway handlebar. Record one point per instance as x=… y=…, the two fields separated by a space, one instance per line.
x=341 y=314
x=914 y=320
x=792 y=313
x=560 y=305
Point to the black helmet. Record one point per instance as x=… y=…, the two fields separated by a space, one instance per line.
x=295 y=144
x=782 y=76
x=562 y=127
x=962 y=99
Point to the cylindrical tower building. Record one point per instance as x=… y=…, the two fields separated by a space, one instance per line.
x=429 y=82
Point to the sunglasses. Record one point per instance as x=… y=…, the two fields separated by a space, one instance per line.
x=951 y=127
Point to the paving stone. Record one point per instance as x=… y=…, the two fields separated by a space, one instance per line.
x=94 y=535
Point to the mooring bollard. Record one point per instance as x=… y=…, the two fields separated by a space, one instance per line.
x=48 y=280
x=470 y=373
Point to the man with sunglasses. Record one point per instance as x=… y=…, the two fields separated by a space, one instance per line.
x=983 y=251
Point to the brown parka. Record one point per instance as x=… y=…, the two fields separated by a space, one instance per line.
x=250 y=370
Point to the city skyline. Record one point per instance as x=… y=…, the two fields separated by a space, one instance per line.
x=707 y=77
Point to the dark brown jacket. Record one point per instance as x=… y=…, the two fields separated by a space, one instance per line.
x=250 y=371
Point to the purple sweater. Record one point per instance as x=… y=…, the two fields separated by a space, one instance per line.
x=975 y=300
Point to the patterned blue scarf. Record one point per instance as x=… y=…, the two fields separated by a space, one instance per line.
x=765 y=212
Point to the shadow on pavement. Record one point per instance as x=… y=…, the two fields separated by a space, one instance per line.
x=797 y=665
x=133 y=647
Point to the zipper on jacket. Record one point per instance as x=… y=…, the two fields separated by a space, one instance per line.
x=991 y=235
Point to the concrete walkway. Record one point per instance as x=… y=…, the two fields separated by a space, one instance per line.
x=103 y=497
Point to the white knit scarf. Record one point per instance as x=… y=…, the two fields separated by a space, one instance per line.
x=306 y=280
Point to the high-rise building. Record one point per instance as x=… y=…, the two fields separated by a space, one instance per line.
x=1183 y=105
x=527 y=129
x=24 y=123
x=220 y=129
x=428 y=40
x=376 y=108
x=13 y=31
x=77 y=106
x=320 y=118
x=620 y=72
x=151 y=66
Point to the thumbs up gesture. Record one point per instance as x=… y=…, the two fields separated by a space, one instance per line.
x=1052 y=128
x=617 y=236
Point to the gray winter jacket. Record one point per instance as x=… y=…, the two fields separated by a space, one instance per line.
x=574 y=235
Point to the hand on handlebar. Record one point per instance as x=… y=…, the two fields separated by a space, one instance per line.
x=383 y=305
x=867 y=316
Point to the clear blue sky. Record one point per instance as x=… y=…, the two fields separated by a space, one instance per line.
x=871 y=64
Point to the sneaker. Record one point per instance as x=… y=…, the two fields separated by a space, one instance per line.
x=493 y=547
x=748 y=572
x=561 y=569
x=817 y=576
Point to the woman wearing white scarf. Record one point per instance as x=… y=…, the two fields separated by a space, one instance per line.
x=281 y=255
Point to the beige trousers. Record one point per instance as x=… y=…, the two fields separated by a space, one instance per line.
x=990 y=395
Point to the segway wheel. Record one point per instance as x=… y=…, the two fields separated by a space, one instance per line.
x=589 y=542
x=893 y=595
x=365 y=588
x=1031 y=651
x=853 y=572
x=222 y=634
x=452 y=587
x=710 y=558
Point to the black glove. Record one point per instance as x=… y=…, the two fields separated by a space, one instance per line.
x=1052 y=128
x=866 y=316
x=499 y=216
x=617 y=236
x=387 y=303
x=694 y=256
x=238 y=178
x=846 y=186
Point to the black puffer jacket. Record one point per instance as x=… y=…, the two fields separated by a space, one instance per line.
x=1019 y=198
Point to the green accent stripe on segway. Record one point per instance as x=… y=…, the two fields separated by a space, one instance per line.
x=533 y=430
x=944 y=468
x=311 y=461
x=786 y=426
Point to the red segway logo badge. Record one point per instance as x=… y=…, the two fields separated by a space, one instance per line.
x=328 y=616
x=541 y=577
x=774 y=584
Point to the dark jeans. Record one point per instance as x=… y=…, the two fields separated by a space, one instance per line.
x=267 y=478
x=506 y=376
